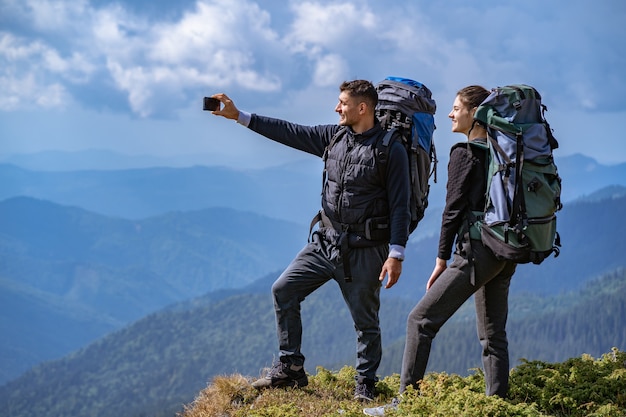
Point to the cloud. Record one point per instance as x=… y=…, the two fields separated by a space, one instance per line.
x=569 y=53
x=34 y=72
x=329 y=70
x=56 y=16
x=156 y=64
x=361 y=39
x=212 y=45
x=54 y=52
x=18 y=91
x=319 y=26
x=215 y=44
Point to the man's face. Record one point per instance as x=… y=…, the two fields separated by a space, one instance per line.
x=349 y=109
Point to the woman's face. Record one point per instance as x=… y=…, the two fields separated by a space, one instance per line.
x=462 y=117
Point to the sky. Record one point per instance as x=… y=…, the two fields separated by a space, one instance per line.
x=129 y=76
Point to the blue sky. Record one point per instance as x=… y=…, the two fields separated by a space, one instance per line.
x=129 y=76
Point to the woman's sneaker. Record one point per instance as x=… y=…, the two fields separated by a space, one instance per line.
x=380 y=411
x=283 y=375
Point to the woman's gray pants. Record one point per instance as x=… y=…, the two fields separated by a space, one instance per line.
x=445 y=296
x=315 y=265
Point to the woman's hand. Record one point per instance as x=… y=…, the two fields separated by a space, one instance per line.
x=440 y=266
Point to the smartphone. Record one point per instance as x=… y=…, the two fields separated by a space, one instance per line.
x=211 y=104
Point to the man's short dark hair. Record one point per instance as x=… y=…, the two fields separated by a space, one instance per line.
x=362 y=89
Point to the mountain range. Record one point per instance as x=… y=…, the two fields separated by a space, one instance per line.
x=68 y=276
x=88 y=255
x=158 y=364
x=289 y=192
x=590 y=230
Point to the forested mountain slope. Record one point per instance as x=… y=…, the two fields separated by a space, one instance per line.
x=163 y=360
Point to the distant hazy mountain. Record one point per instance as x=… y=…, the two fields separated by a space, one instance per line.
x=583 y=175
x=68 y=276
x=592 y=234
x=101 y=159
x=290 y=192
x=89 y=160
x=608 y=193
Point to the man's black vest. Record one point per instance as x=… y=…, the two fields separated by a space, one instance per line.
x=354 y=189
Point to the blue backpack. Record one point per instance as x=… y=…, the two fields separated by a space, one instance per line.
x=407 y=106
x=523 y=186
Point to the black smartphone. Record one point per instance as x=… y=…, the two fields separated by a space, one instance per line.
x=211 y=104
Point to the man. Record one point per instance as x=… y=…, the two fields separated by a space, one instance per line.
x=363 y=228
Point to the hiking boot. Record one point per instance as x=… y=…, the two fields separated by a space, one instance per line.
x=364 y=391
x=283 y=375
x=380 y=411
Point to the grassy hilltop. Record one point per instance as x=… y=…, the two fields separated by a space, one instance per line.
x=581 y=386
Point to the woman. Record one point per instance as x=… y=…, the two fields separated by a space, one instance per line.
x=473 y=270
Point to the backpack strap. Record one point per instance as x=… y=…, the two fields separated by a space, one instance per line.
x=372 y=229
x=382 y=145
x=387 y=138
x=473 y=227
x=519 y=201
x=506 y=167
x=473 y=219
x=336 y=137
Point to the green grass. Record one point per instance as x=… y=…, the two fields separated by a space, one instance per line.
x=577 y=387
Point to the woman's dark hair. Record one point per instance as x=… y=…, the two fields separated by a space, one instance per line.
x=473 y=95
x=362 y=89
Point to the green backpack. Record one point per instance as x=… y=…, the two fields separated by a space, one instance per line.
x=523 y=186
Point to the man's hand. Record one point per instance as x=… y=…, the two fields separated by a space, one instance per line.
x=228 y=110
x=392 y=268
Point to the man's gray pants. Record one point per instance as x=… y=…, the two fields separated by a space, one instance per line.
x=315 y=265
